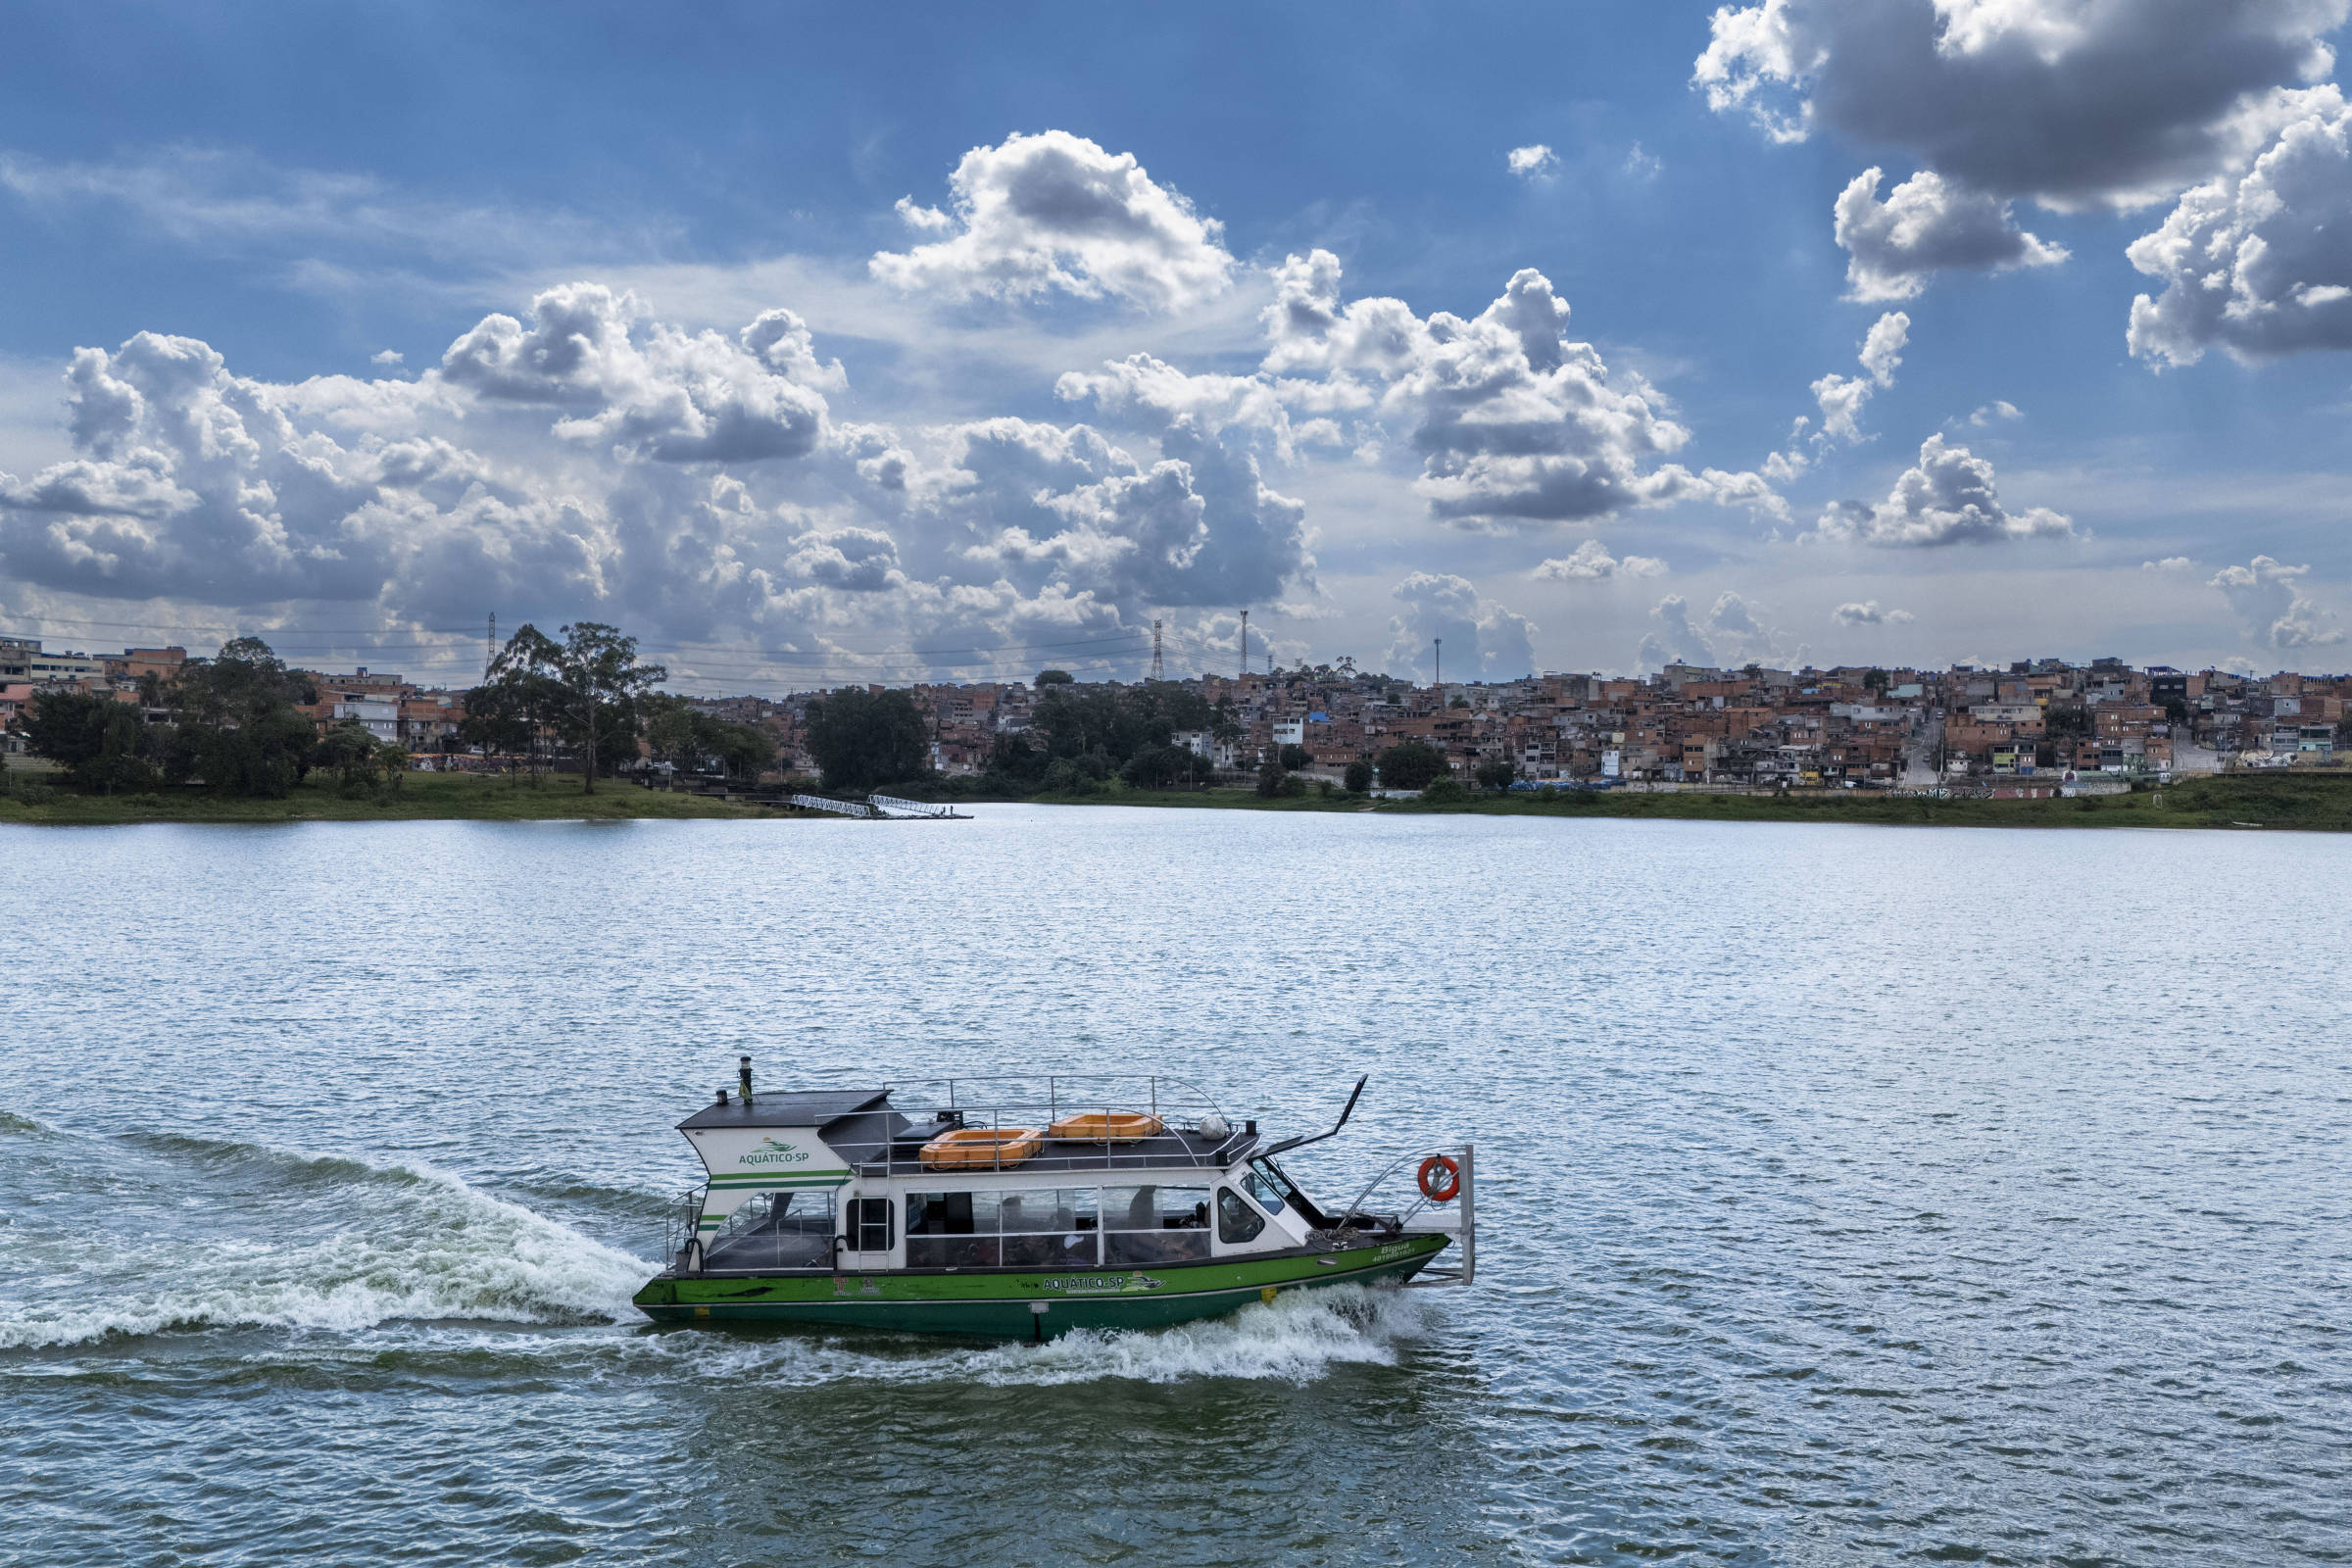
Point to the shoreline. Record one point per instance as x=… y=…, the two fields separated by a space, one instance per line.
x=2237 y=803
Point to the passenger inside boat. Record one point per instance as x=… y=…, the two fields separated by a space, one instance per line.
x=1057 y=1228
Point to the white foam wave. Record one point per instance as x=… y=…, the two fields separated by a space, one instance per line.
x=1295 y=1338
x=435 y=1248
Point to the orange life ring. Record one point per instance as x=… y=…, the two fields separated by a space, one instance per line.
x=1440 y=1179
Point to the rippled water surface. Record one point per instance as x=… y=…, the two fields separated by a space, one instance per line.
x=1847 y=1195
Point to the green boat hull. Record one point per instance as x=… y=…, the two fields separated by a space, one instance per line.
x=1016 y=1306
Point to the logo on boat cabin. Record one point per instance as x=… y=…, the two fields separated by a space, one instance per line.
x=1102 y=1282
x=771 y=1152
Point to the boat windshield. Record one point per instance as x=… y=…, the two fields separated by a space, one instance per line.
x=1269 y=1190
x=1269 y=1186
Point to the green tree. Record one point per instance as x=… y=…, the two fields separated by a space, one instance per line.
x=1359 y=777
x=1016 y=760
x=588 y=688
x=1054 y=678
x=101 y=743
x=862 y=739
x=351 y=750
x=1074 y=720
x=685 y=737
x=1497 y=773
x=1157 y=768
x=1270 y=779
x=673 y=729
x=508 y=716
x=1411 y=766
x=235 y=726
x=1296 y=757
x=1077 y=775
x=747 y=750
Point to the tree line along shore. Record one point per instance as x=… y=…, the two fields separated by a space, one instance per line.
x=2237 y=803
x=572 y=728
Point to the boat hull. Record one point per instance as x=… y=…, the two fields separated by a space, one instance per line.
x=1019 y=1305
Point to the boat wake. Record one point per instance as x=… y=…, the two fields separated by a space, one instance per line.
x=1297 y=1338
x=191 y=1235
x=207 y=1234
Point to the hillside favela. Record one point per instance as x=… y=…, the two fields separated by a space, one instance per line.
x=2030 y=730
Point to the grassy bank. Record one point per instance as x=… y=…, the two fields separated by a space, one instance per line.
x=422 y=797
x=2268 y=802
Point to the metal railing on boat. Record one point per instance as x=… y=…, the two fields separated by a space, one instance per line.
x=1186 y=1129
x=1464 y=1231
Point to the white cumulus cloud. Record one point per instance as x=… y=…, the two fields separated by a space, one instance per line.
x=649 y=390
x=1532 y=161
x=1591 y=561
x=2268 y=595
x=1927 y=224
x=2072 y=103
x=1731 y=632
x=1484 y=641
x=1883 y=349
x=1513 y=421
x=1947 y=497
x=1053 y=212
x=1843 y=398
x=2259 y=264
x=1867 y=613
x=587 y=456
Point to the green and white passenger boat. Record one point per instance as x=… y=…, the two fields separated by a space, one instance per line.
x=1026 y=1210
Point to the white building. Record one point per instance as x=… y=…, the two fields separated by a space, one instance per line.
x=381 y=715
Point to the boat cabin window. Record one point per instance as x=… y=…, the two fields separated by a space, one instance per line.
x=1049 y=1227
x=775 y=1230
x=869 y=1224
x=1154 y=1224
x=1267 y=1188
x=1237 y=1221
x=939 y=1232
x=1045 y=1227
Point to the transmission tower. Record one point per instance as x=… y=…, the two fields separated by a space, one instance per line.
x=1245 y=642
x=1159 y=668
x=1441 y=658
x=490 y=648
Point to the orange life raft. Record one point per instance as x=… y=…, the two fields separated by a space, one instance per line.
x=1107 y=1127
x=988 y=1148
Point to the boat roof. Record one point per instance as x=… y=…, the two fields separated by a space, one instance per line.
x=882 y=1142
x=875 y=1137
x=786 y=1108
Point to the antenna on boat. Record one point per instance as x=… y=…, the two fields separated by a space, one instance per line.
x=743 y=1077
x=1289 y=1144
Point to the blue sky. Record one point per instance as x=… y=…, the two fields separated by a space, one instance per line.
x=947 y=457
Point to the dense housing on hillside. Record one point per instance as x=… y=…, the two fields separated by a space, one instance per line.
x=2024 y=729
x=1849 y=726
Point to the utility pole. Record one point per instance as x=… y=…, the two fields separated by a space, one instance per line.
x=1159 y=668
x=1245 y=642
x=490 y=649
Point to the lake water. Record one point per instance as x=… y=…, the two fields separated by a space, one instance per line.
x=1847 y=1195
